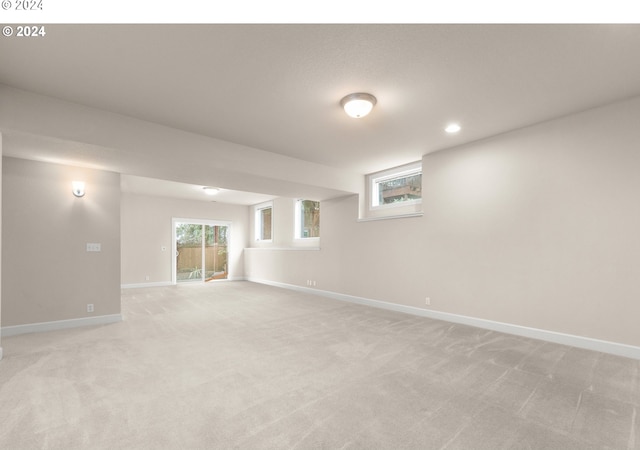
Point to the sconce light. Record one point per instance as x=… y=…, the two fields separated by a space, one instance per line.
x=358 y=105
x=78 y=188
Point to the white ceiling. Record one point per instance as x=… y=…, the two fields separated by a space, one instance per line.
x=164 y=188
x=277 y=87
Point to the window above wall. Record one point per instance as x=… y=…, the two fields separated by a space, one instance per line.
x=396 y=191
x=264 y=222
x=307 y=219
x=396 y=187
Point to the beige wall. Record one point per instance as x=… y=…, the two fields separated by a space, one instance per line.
x=147 y=227
x=47 y=273
x=537 y=228
x=0 y=243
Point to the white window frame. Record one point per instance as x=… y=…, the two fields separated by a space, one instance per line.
x=297 y=229
x=258 y=221
x=374 y=179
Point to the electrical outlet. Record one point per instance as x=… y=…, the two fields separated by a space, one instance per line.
x=94 y=247
x=89 y=307
x=427 y=301
x=146 y=278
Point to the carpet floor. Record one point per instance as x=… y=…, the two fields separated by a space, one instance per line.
x=246 y=366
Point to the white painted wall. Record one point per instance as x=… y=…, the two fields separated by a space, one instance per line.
x=537 y=228
x=146 y=228
x=47 y=274
x=123 y=144
x=283 y=231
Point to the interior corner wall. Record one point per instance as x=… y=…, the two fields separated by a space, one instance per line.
x=146 y=223
x=537 y=228
x=47 y=273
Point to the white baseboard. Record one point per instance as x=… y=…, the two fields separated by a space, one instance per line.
x=168 y=283
x=228 y=279
x=145 y=285
x=59 y=325
x=614 y=348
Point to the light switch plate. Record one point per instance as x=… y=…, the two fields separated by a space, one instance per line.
x=93 y=247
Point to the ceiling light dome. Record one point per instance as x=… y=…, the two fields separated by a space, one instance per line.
x=453 y=128
x=358 y=105
x=210 y=190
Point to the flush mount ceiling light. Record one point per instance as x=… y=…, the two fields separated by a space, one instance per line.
x=358 y=105
x=210 y=190
x=453 y=128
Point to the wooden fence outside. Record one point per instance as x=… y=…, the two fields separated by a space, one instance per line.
x=190 y=258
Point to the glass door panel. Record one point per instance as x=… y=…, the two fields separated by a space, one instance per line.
x=215 y=252
x=189 y=252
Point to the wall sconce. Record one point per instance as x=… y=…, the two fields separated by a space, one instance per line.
x=78 y=188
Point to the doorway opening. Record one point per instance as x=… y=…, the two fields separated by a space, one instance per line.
x=201 y=249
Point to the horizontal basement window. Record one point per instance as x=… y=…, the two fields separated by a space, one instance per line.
x=395 y=188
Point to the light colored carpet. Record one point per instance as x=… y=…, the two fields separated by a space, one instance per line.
x=247 y=366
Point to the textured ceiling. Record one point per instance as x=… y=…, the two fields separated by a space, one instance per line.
x=277 y=87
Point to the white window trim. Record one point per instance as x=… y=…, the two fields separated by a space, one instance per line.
x=257 y=223
x=297 y=228
x=395 y=172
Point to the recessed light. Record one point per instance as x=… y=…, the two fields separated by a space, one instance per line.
x=210 y=190
x=453 y=128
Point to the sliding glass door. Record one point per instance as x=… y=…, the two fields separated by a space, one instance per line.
x=201 y=250
x=215 y=252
